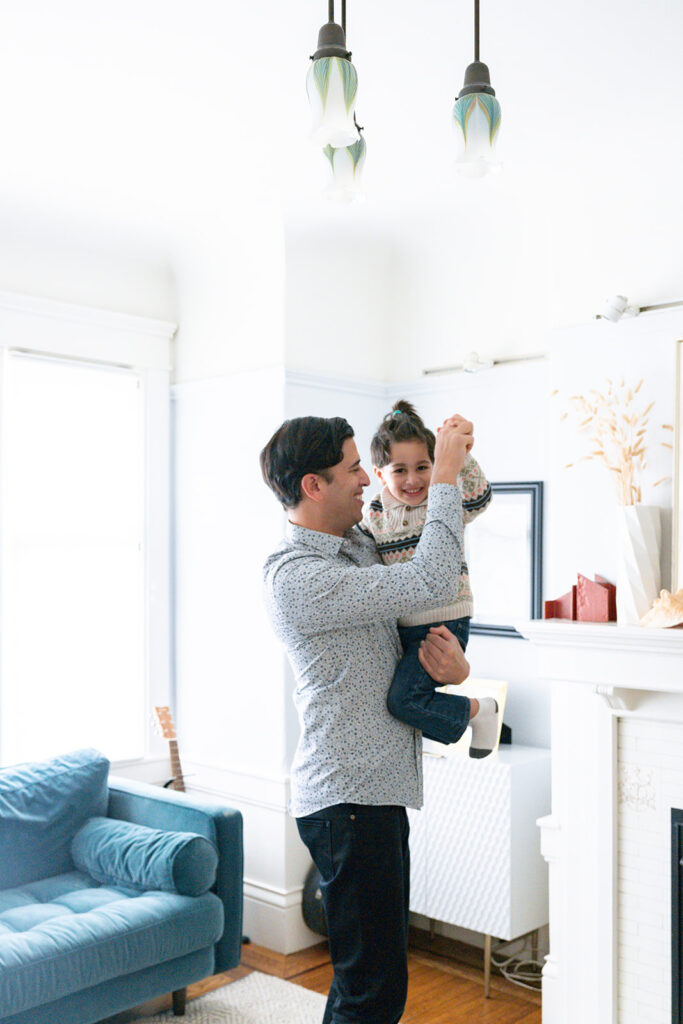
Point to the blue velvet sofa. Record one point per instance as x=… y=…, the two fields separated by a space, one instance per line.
x=111 y=892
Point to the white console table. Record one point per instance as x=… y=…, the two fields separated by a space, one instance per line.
x=475 y=853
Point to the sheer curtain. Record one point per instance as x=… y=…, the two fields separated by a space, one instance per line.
x=72 y=651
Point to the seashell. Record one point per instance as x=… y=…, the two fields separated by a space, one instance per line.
x=666 y=612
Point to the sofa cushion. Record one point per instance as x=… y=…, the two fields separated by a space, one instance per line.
x=63 y=934
x=120 y=853
x=42 y=806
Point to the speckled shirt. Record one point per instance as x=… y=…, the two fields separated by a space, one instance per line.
x=334 y=606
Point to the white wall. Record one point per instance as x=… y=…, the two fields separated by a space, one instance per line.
x=229 y=668
x=582 y=499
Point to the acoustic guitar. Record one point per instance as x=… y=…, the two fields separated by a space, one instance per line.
x=164 y=722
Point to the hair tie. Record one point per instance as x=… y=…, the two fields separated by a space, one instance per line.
x=398 y=412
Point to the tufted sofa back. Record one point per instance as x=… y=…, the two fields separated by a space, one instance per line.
x=42 y=806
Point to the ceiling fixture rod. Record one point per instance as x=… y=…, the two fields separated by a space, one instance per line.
x=473 y=365
x=662 y=305
x=476 y=30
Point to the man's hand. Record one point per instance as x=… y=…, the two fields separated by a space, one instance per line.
x=442 y=657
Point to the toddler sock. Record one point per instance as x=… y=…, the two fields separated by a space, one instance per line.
x=484 y=728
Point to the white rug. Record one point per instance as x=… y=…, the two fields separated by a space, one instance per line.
x=256 y=999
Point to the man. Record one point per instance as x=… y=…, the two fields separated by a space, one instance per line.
x=356 y=769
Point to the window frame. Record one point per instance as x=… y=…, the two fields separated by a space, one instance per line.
x=145 y=345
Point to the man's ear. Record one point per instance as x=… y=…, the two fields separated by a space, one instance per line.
x=378 y=473
x=311 y=487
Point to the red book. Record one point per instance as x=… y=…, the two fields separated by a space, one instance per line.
x=562 y=607
x=594 y=600
x=612 y=591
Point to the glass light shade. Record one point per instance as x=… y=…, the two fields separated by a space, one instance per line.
x=332 y=83
x=476 y=119
x=346 y=163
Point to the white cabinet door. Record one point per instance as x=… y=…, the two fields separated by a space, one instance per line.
x=475 y=846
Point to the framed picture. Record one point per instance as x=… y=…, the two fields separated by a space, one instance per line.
x=504 y=552
x=677 y=539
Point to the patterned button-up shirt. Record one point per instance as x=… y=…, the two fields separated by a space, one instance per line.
x=334 y=606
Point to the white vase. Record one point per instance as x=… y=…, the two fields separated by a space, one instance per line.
x=639 y=537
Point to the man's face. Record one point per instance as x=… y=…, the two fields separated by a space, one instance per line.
x=343 y=490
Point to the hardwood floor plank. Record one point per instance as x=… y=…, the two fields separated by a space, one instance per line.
x=440 y=991
x=282 y=965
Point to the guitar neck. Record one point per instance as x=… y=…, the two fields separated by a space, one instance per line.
x=178 y=780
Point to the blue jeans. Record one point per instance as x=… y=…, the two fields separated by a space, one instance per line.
x=363 y=858
x=412 y=697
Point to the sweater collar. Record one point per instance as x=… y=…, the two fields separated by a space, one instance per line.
x=389 y=501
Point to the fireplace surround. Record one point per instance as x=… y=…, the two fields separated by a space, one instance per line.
x=617 y=772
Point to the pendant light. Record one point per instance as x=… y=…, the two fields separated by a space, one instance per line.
x=476 y=116
x=346 y=164
x=331 y=83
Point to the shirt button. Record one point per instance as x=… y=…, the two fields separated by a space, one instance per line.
x=353 y=817
x=405 y=522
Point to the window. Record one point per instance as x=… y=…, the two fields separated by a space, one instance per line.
x=84 y=636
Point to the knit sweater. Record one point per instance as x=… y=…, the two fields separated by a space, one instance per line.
x=397 y=528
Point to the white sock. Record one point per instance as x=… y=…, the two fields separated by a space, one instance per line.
x=484 y=728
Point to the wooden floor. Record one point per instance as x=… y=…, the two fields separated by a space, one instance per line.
x=446 y=983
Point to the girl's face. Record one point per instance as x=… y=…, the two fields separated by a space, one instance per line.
x=408 y=474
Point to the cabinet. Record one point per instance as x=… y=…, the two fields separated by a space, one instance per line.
x=475 y=847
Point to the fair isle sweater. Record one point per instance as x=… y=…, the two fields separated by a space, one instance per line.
x=397 y=528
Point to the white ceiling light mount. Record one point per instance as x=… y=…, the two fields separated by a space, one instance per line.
x=615 y=308
x=474 y=363
x=618 y=307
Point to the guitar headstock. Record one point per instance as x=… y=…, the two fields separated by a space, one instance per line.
x=163 y=721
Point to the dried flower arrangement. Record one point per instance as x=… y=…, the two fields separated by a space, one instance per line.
x=616 y=431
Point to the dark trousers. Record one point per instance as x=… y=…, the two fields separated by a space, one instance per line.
x=412 y=696
x=363 y=858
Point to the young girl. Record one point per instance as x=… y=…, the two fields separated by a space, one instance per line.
x=402 y=454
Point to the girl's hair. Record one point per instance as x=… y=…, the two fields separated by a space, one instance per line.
x=401 y=424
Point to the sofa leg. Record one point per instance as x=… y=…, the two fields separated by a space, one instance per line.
x=179 y=1002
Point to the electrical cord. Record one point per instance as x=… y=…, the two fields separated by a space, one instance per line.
x=519 y=969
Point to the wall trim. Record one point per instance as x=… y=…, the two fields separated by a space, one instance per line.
x=256 y=790
x=47 y=327
x=331 y=382
x=196 y=383
x=275 y=924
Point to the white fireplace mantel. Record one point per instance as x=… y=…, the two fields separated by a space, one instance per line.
x=599 y=675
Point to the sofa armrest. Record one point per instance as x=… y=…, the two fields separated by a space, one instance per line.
x=177 y=812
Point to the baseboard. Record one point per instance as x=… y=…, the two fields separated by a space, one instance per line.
x=274 y=919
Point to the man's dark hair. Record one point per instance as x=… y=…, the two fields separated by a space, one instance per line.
x=307 y=444
x=401 y=424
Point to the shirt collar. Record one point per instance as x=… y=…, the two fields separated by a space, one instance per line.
x=389 y=501
x=325 y=543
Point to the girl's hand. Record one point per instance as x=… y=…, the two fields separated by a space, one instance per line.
x=462 y=426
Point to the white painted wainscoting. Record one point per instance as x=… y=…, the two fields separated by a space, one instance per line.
x=617 y=754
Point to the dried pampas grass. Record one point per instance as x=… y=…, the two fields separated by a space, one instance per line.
x=616 y=433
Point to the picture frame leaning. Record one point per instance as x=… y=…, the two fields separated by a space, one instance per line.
x=677 y=534
x=504 y=553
